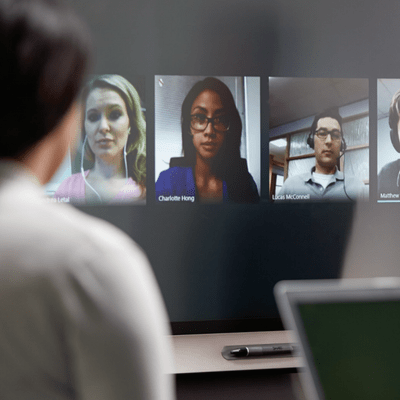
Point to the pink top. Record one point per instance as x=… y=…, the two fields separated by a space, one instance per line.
x=73 y=190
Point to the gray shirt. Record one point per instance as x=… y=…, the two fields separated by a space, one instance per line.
x=81 y=315
x=304 y=187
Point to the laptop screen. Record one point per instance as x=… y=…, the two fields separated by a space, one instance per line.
x=353 y=348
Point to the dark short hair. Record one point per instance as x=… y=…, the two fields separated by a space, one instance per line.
x=394 y=111
x=331 y=113
x=44 y=49
x=136 y=144
x=230 y=151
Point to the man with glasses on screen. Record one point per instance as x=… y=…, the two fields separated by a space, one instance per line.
x=324 y=181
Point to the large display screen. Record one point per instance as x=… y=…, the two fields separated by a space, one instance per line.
x=232 y=139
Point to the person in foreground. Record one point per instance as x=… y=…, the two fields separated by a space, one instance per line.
x=81 y=316
x=114 y=132
x=324 y=181
x=211 y=169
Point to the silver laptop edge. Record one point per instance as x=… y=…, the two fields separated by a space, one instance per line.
x=289 y=294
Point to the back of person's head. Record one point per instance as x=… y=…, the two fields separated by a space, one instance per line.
x=44 y=51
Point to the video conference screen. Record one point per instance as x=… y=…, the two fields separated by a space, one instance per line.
x=232 y=139
x=202 y=156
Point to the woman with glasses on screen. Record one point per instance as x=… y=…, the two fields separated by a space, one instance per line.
x=114 y=141
x=211 y=169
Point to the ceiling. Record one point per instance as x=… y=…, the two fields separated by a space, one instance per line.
x=291 y=99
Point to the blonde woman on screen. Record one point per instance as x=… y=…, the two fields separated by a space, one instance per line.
x=114 y=140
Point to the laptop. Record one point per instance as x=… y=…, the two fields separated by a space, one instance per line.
x=348 y=333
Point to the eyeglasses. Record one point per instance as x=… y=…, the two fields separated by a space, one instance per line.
x=323 y=134
x=199 y=122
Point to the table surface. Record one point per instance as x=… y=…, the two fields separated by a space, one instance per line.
x=202 y=353
x=269 y=384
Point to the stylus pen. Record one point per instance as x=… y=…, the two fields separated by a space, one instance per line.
x=268 y=350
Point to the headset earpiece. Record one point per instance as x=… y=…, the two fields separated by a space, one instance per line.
x=343 y=145
x=394 y=137
x=310 y=140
